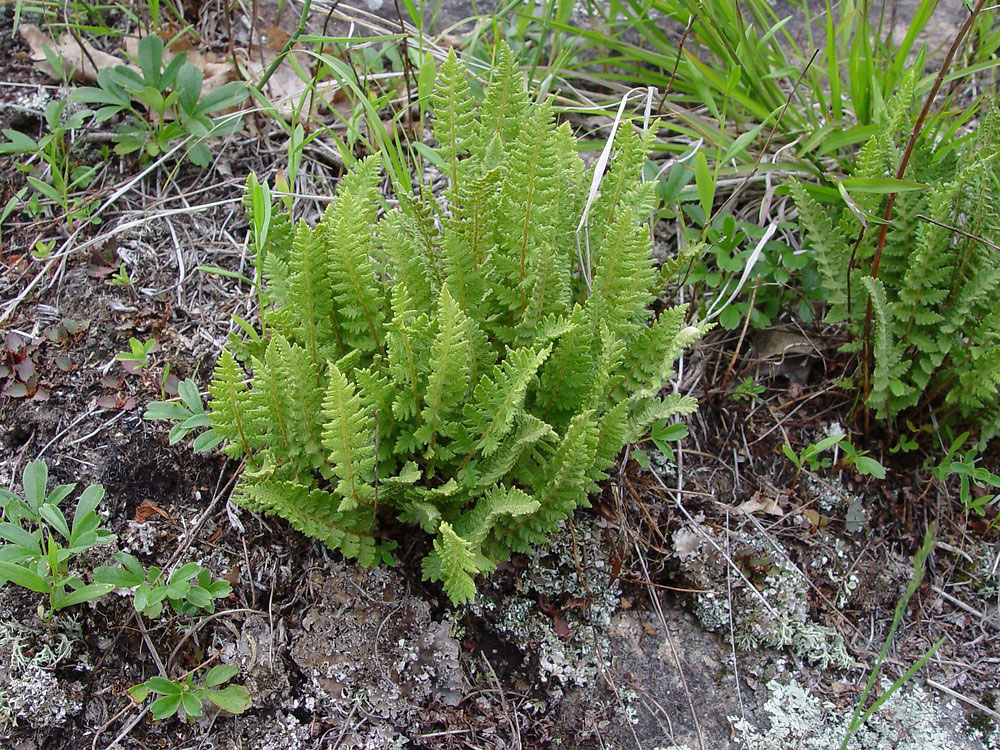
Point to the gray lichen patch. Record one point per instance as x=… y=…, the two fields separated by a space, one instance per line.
x=912 y=719
x=371 y=650
x=30 y=693
x=563 y=607
x=773 y=612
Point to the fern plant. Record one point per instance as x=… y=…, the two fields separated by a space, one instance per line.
x=445 y=363
x=934 y=320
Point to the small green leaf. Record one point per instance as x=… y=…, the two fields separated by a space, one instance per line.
x=235 y=699
x=163 y=686
x=704 y=182
x=117 y=577
x=55 y=519
x=881 y=185
x=16 y=535
x=85 y=594
x=791 y=454
x=199 y=597
x=138 y=693
x=870 y=466
x=60 y=493
x=220 y=674
x=34 y=478
x=192 y=706
x=207 y=440
x=185 y=573
x=23 y=577
x=188 y=391
x=641 y=458
x=189 y=78
x=166 y=410
x=165 y=707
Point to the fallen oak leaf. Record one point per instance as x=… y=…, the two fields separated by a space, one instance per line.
x=759 y=504
x=81 y=59
x=147 y=509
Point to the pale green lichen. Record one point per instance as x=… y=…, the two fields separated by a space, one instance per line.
x=986 y=572
x=912 y=719
x=30 y=694
x=563 y=642
x=774 y=614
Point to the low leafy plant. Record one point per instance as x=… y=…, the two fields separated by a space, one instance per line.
x=61 y=176
x=963 y=464
x=184 y=696
x=171 y=94
x=138 y=352
x=923 y=309
x=33 y=555
x=188 y=413
x=189 y=590
x=780 y=279
x=747 y=390
x=462 y=364
x=661 y=435
x=861 y=461
x=811 y=455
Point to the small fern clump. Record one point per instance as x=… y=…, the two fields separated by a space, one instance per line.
x=934 y=325
x=458 y=363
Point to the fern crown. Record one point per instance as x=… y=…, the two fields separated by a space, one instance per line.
x=444 y=363
x=934 y=324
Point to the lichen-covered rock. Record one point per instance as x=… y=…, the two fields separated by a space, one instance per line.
x=774 y=613
x=372 y=650
x=912 y=719
x=30 y=694
x=555 y=615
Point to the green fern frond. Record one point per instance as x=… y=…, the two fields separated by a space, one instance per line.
x=562 y=485
x=500 y=398
x=649 y=358
x=452 y=562
x=411 y=261
x=453 y=123
x=349 y=241
x=285 y=401
x=569 y=373
x=531 y=189
x=409 y=341
x=506 y=106
x=313 y=513
x=830 y=247
x=622 y=186
x=348 y=437
x=888 y=357
x=528 y=432
x=451 y=354
x=645 y=410
x=624 y=274
x=229 y=406
x=318 y=325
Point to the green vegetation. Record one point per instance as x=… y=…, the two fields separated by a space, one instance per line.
x=494 y=309
x=918 y=295
x=174 y=106
x=189 y=590
x=60 y=179
x=477 y=377
x=41 y=544
x=184 y=696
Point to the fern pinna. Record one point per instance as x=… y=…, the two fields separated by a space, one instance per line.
x=934 y=324
x=446 y=361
